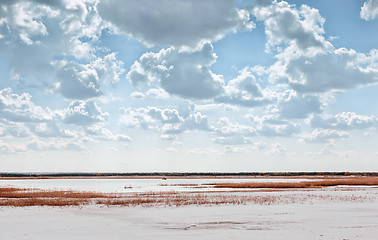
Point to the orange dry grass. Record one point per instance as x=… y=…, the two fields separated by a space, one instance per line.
x=28 y=202
x=25 y=193
x=159 y=199
x=359 y=181
x=174 y=199
x=18 y=197
x=36 y=197
x=153 y=199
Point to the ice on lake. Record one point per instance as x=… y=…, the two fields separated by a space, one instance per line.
x=131 y=185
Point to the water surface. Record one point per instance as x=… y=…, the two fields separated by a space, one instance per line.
x=129 y=185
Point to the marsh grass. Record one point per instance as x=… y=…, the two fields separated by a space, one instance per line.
x=17 y=197
x=37 y=193
x=366 y=181
x=23 y=197
x=153 y=199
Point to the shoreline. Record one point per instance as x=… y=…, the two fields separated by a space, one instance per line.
x=188 y=175
x=21 y=197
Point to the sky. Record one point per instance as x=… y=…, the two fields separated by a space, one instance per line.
x=188 y=86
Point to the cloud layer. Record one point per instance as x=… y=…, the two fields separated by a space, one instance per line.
x=220 y=79
x=168 y=22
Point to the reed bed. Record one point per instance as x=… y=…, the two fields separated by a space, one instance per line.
x=23 y=197
x=15 y=197
x=20 y=197
x=359 y=181
x=37 y=193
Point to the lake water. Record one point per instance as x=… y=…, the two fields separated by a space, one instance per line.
x=128 y=185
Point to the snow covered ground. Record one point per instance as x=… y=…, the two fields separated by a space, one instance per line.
x=132 y=185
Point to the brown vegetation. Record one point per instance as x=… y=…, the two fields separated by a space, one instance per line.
x=17 y=197
x=36 y=197
x=357 y=181
x=22 y=197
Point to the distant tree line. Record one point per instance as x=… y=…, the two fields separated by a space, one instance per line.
x=188 y=174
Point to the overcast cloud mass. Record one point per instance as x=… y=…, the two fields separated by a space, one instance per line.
x=218 y=85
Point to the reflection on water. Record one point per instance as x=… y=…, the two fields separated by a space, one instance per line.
x=129 y=185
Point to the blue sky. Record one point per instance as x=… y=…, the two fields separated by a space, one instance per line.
x=124 y=86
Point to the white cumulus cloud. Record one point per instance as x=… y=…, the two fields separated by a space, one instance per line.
x=294 y=105
x=326 y=71
x=177 y=23
x=167 y=121
x=244 y=91
x=83 y=113
x=285 y=24
x=20 y=108
x=344 y=121
x=324 y=135
x=83 y=81
x=184 y=73
x=273 y=126
x=369 y=11
x=105 y=134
